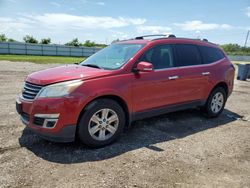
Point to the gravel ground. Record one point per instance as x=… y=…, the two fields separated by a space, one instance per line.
x=182 y=149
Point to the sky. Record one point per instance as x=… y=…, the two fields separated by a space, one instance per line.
x=103 y=21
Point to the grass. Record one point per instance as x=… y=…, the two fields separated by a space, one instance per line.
x=42 y=59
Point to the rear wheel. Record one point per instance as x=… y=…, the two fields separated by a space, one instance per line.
x=216 y=102
x=101 y=123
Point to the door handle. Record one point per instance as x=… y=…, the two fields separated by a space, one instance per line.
x=205 y=73
x=173 y=77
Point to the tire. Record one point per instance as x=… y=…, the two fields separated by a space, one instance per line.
x=101 y=123
x=215 y=103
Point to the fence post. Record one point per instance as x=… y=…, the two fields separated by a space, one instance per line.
x=25 y=45
x=82 y=52
x=56 y=51
x=8 y=48
x=70 y=51
x=42 y=49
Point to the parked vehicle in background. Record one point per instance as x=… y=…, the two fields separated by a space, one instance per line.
x=124 y=82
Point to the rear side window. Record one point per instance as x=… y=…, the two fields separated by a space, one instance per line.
x=210 y=55
x=187 y=54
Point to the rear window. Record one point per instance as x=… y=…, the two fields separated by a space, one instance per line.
x=187 y=54
x=210 y=54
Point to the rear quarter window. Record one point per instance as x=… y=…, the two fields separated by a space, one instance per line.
x=210 y=54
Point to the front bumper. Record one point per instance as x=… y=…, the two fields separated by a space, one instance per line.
x=36 y=114
x=66 y=134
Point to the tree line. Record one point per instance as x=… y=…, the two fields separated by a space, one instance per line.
x=235 y=49
x=230 y=49
x=74 y=42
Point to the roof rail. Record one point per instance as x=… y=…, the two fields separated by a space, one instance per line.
x=158 y=35
x=163 y=36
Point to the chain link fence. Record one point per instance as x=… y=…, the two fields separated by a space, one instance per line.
x=45 y=49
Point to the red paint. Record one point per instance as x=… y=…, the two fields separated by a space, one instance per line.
x=140 y=91
x=64 y=73
x=144 y=67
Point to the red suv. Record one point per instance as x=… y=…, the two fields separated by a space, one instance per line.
x=126 y=81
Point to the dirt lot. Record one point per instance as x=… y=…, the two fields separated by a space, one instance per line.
x=182 y=149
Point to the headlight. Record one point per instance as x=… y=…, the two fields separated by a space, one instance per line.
x=59 y=89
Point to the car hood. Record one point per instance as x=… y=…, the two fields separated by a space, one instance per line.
x=65 y=73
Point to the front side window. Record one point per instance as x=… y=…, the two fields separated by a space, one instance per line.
x=113 y=56
x=210 y=54
x=160 y=56
x=187 y=55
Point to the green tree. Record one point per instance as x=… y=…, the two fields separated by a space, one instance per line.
x=231 y=47
x=30 y=39
x=88 y=43
x=11 y=40
x=114 y=41
x=45 y=41
x=3 y=38
x=101 y=45
x=74 y=42
x=235 y=49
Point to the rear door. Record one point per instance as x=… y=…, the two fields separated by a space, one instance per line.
x=193 y=76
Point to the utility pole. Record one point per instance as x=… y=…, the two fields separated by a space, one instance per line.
x=245 y=45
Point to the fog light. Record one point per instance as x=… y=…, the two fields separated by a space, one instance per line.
x=46 y=120
x=50 y=123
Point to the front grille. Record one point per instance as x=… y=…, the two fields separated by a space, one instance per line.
x=30 y=90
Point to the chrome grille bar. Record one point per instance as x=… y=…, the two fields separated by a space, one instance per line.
x=30 y=91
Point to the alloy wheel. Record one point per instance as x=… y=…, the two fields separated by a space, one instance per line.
x=103 y=124
x=217 y=102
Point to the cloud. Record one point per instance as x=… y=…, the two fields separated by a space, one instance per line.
x=153 y=29
x=85 y=22
x=199 y=25
x=9 y=25
x=55 y=4
x=248 y=11
x=100 y=3
x=12 y=1
x=66 y=22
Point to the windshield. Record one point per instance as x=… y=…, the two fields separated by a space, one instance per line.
x=113 y=56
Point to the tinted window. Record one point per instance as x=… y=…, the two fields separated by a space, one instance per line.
x=187 y=55
x=160 y=56
x=210 y=55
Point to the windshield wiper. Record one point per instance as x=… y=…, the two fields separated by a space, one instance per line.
x=92 y=65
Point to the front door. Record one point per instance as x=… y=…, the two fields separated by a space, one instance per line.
x=158 y=88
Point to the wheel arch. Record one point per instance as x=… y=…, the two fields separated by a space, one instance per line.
x=117 y=99
x=220 y=84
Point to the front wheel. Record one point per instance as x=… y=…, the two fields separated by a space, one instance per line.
x=216 y=102
x=101 y=123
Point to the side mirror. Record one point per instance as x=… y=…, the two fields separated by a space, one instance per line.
x=144 y=67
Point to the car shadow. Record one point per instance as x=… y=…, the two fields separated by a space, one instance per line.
x=145 y=133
